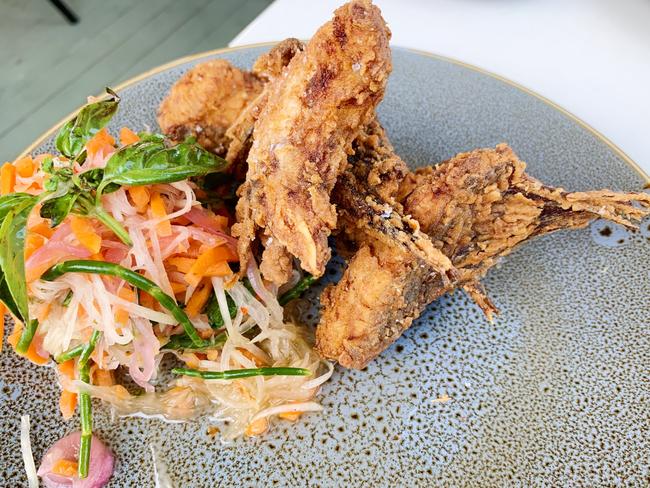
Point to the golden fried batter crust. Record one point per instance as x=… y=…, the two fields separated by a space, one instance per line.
x=375 y=301
x=271 y=64
x=268 y=67
x=365 y=218
x=205 y=101
x=480 y=204
x=375 y=163
x=303 y=134
x=475 y=207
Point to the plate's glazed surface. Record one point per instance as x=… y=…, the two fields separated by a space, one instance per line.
x=553 y=393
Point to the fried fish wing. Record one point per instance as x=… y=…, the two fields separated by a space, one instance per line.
x=205 y=101
x=303 y=134
x=475 y=207
x=480 y=204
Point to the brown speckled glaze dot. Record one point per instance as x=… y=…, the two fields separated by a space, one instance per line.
x=553 y=393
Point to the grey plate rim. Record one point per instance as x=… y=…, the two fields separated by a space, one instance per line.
x=193 y=57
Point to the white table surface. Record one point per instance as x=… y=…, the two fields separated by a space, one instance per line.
x=591 y=57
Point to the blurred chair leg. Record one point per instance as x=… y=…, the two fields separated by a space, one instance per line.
x=65 y=11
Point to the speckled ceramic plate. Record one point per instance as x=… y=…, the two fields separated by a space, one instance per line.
x=553 y=393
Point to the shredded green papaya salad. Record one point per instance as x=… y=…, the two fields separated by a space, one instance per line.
x=116 y=252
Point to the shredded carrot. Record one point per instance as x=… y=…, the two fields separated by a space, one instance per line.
x=103 y=377
x=121 y=315
x=67 y=404
x=194 y=250
x=214 y=255
x=3 y=311
x=198 y=300
x=14 y=337
x=32 y=353
x=249 y=355
x=35 y=272
x=291 y=416
x=140 y=197
x=217 y=269
x=211 y=262
x=25 y=167
x=33 y=241
x=184 y=265
x=178 y=287
x=7 y=178
x=127 y=136
x=65 y=467
x=100 y=141
x=158 y=211
x=42 y=228
x=147 y=300
x=257 y=427
x=85 y=233
x=66 y=368
x=182 y=220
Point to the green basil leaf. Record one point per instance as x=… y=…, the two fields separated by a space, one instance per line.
x=58 y=178
x=89 y=180
x=150 y=161
x=6 y=298
x=57 y=209
x=11 y=201
x=75 y=133
x=13 y=288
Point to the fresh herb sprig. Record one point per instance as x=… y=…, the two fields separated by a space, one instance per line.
x=233 y=374
x=85 y=406
x=76 y=132
x=70 y=354
x=151 y=160
x=14 y=211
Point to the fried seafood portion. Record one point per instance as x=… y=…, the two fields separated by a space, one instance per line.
x=271 y=64
x=365 y=218
x=374 y=163
x=303 y=135
x=268 y=67
x=475 y=208
x=205 y=101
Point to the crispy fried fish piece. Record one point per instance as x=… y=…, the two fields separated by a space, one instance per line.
x=375 y=164
x=480 y=204
x=267 y=67
x=302 y=136
x=205 y=101
x=271 y=64
x=364 y=217
x=475 y=207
